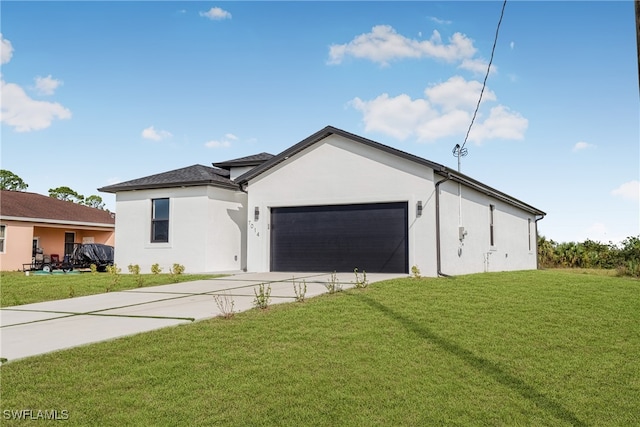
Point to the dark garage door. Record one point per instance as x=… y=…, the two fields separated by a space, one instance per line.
x=370 y=237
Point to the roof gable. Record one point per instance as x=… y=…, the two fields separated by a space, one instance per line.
x=437 y=168
x=319 y=136
x=22 y=204
x=184 y=177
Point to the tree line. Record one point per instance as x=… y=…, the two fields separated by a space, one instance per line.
x=625 y=257
x=12 y=182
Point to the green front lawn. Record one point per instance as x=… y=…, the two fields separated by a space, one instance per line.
x=16 y=288
x=538 y=348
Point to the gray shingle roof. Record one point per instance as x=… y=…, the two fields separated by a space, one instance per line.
x=185 y=177
x=253 y=160
x=21 y=204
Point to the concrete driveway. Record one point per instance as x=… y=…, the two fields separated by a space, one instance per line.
x=39 y=328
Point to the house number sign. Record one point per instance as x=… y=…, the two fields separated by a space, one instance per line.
x=254 y=228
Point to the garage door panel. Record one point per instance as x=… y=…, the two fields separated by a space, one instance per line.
x=371 y=237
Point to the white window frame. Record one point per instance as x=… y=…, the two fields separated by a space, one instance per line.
x=153 y=220
x=492 y=226
x=3 y=238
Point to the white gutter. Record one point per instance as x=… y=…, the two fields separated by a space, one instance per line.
x=55 y=221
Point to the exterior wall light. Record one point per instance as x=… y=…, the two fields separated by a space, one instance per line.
x=419 y=208
x=256 y=214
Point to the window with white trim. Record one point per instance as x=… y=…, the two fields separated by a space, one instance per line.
x=3 y=231
x=159 y=220
x=492 y=239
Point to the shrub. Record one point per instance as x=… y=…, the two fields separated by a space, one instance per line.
x=176 y=271
x=333 y=285
x=135 y=270
x=114 y=272
x=629 y=268
x=300 y=289
x=263 y=296
x=225 y=304
x=415 y=272
x=94 y=269
x=156 y=269
x=361 y=282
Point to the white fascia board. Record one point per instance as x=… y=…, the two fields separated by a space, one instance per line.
x=57 y=222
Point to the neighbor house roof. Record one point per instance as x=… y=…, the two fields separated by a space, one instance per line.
x=25 y=206
x=185 y=177
x=437 y=168
x=253 y=160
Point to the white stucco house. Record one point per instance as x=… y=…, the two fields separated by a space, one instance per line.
x=334 y=201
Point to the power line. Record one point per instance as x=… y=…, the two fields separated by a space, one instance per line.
x=459 y=150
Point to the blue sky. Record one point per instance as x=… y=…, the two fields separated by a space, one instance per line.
x=94 y=93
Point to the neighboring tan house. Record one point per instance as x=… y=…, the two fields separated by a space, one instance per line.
x=333 y=202
x=30 y=221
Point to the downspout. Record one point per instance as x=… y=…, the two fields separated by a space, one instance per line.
x=438 y=250
x=536 y=223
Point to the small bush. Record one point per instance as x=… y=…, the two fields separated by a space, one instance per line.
x=263 y=296
x=176 y=271
x=225 y=304
x=629 y=268
x=361 y=282
x=300 y=289
x=156 y=269
x=135 y=270
x=114 y=273
x=333 y=285
x=94 y=269
x=415 y=272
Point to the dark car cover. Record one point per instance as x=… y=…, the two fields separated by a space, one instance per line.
x=92 y=253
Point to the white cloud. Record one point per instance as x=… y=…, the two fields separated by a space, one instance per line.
x=582 y=146
x=216 y=14
x=440 y=21
x=502 y=123
x=384 y=44
x=217 y=144
x=6 y=50
x=477 y=66
x=629 y=190
x=458 y=93
x=223 y=142
x=444 y=111
x=449 y=123
x=47 y=85
x=512 y=45
x=155 y=135
x=25 y=114
x=21 y=112
x=399 y=116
